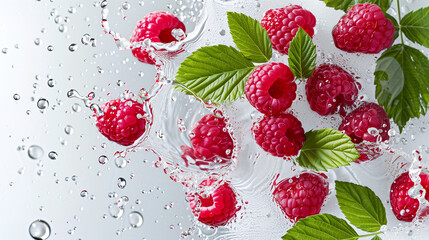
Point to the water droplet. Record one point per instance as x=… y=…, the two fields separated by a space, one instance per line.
x=16 y=97
x=68 y=130
x=122 y=183
x=73 y=47
x=86 y=38
x=53 y=155
x=76 y=107
x=62 y=28
x=120 y=162
x=103 y=159
x=39 y=230
x=126 y=6
x=38 y=41
x=135 y=219
x=50 y=48
x=42 y=103
x=72 y=10
x=4 y=50
x=51 y=82
x=84 y=193
x=35 y=152
x=115 y=211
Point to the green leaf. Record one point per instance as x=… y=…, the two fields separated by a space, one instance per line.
x=402 y=83
x=395 y=23
x=361 y=206
x=376 y=238
x=346 y=4
x=216 y=73
x=321 y=227
x=415 y=26
x=302 y=55
x=327 y=149
x=250 y=37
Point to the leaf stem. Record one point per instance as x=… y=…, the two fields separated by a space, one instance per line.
x=400 y=20
x=368 y=235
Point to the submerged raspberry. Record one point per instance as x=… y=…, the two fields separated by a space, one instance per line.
x=280 y=135
x=217 y=208
x=330 y=88
x=368 y=123
x=157 y=27
x=122 y=121
x=302 y=195
x=364 y=29
x=403 y=206
x=270 y=88
x=282 y=24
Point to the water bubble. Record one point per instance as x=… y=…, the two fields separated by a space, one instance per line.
x=16 y=97
x=135 y=219
x=85 y=39
x=84 y=193
x=62 y=28
x=4 y=50
x=53 y=155
x=73 y=47
x=50 y=48
x=39 y=230
x=38 y=41
x=126 y=6
x=42 y=103
x=76 y=107
x=122 y=183
x=51 y=82
x=68 y=130
x=72 y=10
x=115 y=211
x=103 y=159
x=120 y=162
x=35 y=152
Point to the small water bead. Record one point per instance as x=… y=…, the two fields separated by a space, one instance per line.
x=115 y=211
x=73 y=47
x=72 y=10
x=50 y=48
x=120 y=162
x=4 y=50
x=39 y=230
x=51 y=82
x=53 y=155
x=42 y=103
x=135 y=219
x=35 y=152
x=126 y=6
x=86 y=38
x=76 y=107
x=16 y=97
x=62 y=28
x=122 y=183
x=103 y=159
x=84 y=193
x=38 y=41
x=68 y=130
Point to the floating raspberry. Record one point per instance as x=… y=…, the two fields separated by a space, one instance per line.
x=157 y=27
x=280 y=135
x=367 y=123
x=330 y=88
x=217 y=208
x=211 y=139
x=270 y=88
x=403 y=206
x=282 y=24
x=302 y=195
x=364 y=29
x=122 y=121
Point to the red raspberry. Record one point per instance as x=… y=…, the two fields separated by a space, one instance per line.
x=369 y=123
x=364 y=29
x=217 y=208
x=280 y=135
x=330 y=88
x=283 y=23
x=210 y=139
x=122 y=121
x=156 y=26
x=403 y=206
x=302 y=195
x=270 y=88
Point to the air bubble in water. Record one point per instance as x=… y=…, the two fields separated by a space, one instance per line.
x=73 y=47
x=68 y=130
x=122 y=183
x=53 y=155
x=35 y=152
x=16 y=97
x=42 y=103
x=135 y=219
x=39 y=230
x=103 y=159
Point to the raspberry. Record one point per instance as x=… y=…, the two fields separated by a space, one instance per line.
x=210 y=139
x=302 y=195
x=329 y=89
x=403 y=206
x=369 y=123
x=157 y=27
x=280 y=135
x=282 y=24
x=217 y=208
x=122 y=121
x=270 y=88
x=364 y=29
